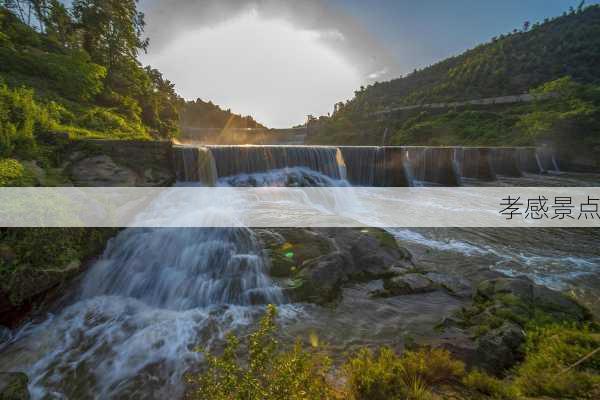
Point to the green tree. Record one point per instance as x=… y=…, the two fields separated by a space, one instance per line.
x=112 y=32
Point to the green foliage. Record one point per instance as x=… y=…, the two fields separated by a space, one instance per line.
x=104 y=120
x=14 y=174
x=267 y=373
x=550 y=352
x=32 y=259
x=71 y=75
x=83 y=62
x=388 y=376
x=490 y=386
x=20 y=118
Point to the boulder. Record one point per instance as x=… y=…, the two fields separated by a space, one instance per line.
x=500 y=348
x=522 y=295
x=455 y=285
x=408 y=284
x=495 y=352
x=13 y=386
x=320 y=280
x=318 y=262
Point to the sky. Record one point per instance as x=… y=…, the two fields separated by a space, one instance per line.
x=281 y=60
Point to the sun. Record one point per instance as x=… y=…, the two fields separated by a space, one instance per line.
x=267 y=68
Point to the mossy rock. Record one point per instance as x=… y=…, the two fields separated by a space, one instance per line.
x=35 y=261
x=385 y=238
x=293 y=249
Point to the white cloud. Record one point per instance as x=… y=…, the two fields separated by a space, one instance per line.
x=311 y=55
x=266 y=68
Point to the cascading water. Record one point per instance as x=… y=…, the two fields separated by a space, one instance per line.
x=236 y=160
x=141 y=310
x=376 y=166
x=180 y=269
x=434 y=165
x=529 y=160
x=547 y=160
x=194 y=164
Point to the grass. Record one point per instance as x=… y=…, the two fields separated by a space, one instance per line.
x=386 y=375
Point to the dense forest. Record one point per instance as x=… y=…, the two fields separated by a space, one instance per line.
x=561 y=53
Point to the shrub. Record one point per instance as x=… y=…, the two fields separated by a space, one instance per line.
x=551 y=353
x=13 y=173
x=268 y=372
x=20 y=117
x=388 y=376
x=490 y=386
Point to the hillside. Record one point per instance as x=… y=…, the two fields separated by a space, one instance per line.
x=202 y=114
x=564 y=48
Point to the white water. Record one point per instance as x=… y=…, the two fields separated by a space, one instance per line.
x=141 y=310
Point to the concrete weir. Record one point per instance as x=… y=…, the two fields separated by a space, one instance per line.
x=475 y=163
x=505 y=161
x=435 y=165
x=393 y=166
x=376 y=166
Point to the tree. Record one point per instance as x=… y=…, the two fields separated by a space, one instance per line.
x=112 y=31
x=59 y=25
x=526 y=26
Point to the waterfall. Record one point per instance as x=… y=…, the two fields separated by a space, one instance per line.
x=236 y=160
x=194 y=164
x=131 y=328
x=505 y=161
x=376 y=166
x=475 y=163
x=182 y=269
x=547 y=160
x=435 y=165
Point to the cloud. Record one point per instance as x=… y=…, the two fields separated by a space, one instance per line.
x=169 y=19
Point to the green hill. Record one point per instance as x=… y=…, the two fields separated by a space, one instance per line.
x=565 y=49
x=202 y=114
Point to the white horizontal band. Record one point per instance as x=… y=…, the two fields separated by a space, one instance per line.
x=300 y=207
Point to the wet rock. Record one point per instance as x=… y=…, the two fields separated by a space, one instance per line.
x=13 y=386
x=318 y=262
x=101 y=171
x=408 y=284
x=456 y=285
x=320 y=280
